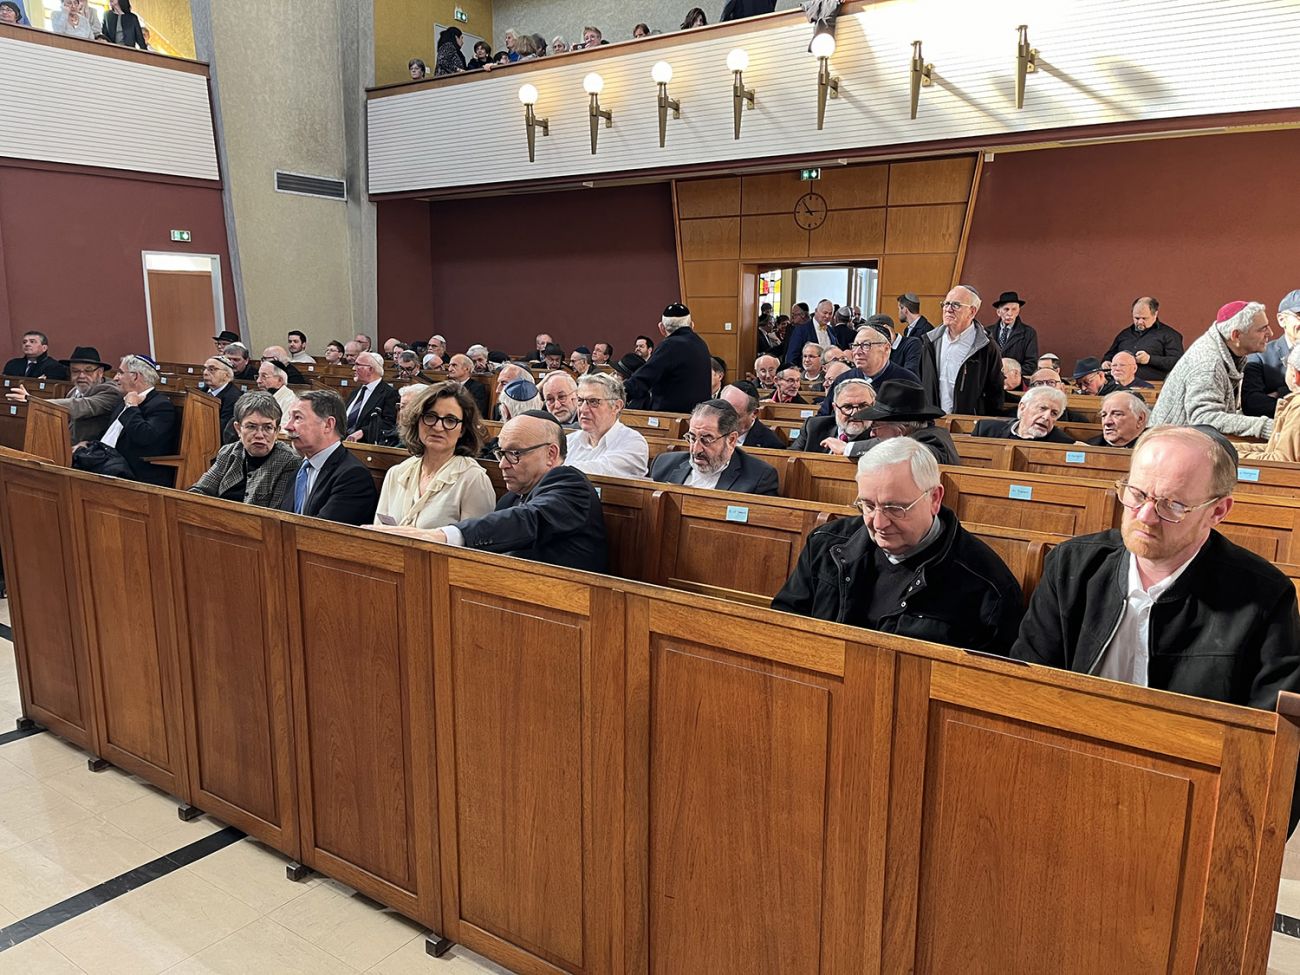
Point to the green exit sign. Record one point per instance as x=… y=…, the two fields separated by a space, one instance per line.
x=181 y=236
x=810 y=174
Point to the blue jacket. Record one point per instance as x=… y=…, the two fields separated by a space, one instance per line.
x=841 y=335
x=890 y=373
x=1265 y=374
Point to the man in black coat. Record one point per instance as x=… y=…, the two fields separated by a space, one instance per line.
x=219 y=378
x=901 y=410
x=331 y=483
x=1036 y=416
x=912 y=323
x=715 y=460
x=961 y=367
x=845 y=426
x=872 y=359
x=679 y=374
x=907 y=566
x=550 y=513
x=372 y=411
x=743 y=398
x=36 y=362
x=1014 y=338
x=1155 y=345
x=146 y=425
x=736 y=9
x=1263 y=381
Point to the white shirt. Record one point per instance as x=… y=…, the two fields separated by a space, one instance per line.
x=314 y=464
x=303 y=356
x=285 y=397
x=621 y=452
x=458 y=491
x=697 y=480
x=109 y=439
x=955 y=352
x=364 y=394
x=1127 y=654
x=823 y=333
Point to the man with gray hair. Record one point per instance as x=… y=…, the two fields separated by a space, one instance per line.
x=1263 y=381
x=408 y=367
x=560 y=394
x=602 y=444
x=372 y=411
x=1123 y=417
x=714 y=459
x=680 y=373
x=907 y=566
x=1204 y=386
x=478 y=354
x=1036 y=416
x=271 y=378
x=1284 y=441
x=961 y=367
x=145 y=425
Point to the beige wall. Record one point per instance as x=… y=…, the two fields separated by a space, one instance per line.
x=404 y=30
x=171 y=27
x=566 y=18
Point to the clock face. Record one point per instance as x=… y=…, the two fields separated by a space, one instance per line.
x=810 y=211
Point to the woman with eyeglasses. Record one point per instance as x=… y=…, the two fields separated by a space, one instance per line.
x=442 y=483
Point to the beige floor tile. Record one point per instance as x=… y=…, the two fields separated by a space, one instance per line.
x=151 y=818
x=4 y=612
x=12 y=777
x=43 y=755
x=413 y=959
x=66 y=862
x=6 y=918
x=347 y=925
x=151 y=928
x=1288 y=897
x=100 y=792
x=36 y=957
x=34 y=811
x=1284 y=958
x=252 y=873
x=262 y=946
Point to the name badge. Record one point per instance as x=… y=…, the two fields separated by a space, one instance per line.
x=736 y=512
x=190 y=370
x=597 y=487
x=1248 y=473
x=1020 y=492
x=652 y=421
x=1075 y=457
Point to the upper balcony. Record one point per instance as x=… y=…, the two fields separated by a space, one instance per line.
x=1103 y=69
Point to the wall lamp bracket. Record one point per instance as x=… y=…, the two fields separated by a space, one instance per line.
x=828 y=86
x=741 y=97
x=1026 y=63
x=528 y=95
x=922 y=75
x=661 y=74
x=594 y=84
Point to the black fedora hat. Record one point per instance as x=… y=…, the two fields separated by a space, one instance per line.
x=87 y=354
x=1086 y=367
x=226 y=336
x=629 y=364
x=1007 y=297
x=900 y=400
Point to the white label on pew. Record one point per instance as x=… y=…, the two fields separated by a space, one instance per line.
x=1248 y=473
x=1020 y=492
x=652 y=421
x=163 y=379
x=736 y=512
x=1075 y=457
x=805 y=413
x=40 y=386
x=13 y=411
x=597 y=490
x=343 y=382
x=190 y=370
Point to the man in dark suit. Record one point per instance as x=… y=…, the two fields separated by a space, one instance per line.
x=715 y=461
x=331 y=483
x=846 y=424
x=913 y=324
x=736 y=9
x=826 y=328
x=872 y=359
x=549 y=513
x=219 y=378
x=372 y=411
x=460 y=369
x=93 y=402
x=743 y=397
x=1263 y=380
x=237 y=355
x=1015 y=339
x=35 y=362
x=680 y=373
x=146 y=425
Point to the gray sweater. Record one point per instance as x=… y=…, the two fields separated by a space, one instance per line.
x=1204 y=386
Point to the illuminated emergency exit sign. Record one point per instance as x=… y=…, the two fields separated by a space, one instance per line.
x=810 y=174
x=181 y=236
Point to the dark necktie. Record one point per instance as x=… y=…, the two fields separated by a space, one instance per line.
x=31 y=367
x=1006 y=334
x=355 y=413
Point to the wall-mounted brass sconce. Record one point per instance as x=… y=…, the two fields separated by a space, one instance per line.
x=823 y=46
x=922 y=75
x=737 y=62
x=1026 y=63
x=662 y=73
x=593 y=85
x=528 y=95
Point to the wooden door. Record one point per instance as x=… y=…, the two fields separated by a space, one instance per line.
x=183 y=315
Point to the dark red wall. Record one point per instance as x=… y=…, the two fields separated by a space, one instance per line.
x=70 y=248
x=599 y=265
x=1081 y=232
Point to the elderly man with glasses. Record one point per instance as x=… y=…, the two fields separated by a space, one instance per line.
x=871 y=348
x=961 y=367
x=845 y=428
x=602 y=444
x=907 y=566
x=715 y=460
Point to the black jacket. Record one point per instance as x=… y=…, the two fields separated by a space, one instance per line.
x=1002 y=429
x=480 y=394
x=891 y=373
x=344 y=491
x=132 y=32
x=962 y=595
x=978 y=389
x=761 y=435
x=735 y=9
x=676 y=377
x=1163 y=344
x=379 y=415
x=1021 y=345
x=228 y=396
x=148 y=430
x=936 y=438
x=43 y=368
x=559 y=522
x=743 y=473
x=815 y=430
x=1263 y=381
x=919 y=329
x=906 y=354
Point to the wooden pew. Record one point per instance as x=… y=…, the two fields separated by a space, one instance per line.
x=650 y=424
x=47 y=433
x=13 y=424
x=790 y=414
x=41 y=388
x=198 y=439
x=661 y=738
x=957 y=423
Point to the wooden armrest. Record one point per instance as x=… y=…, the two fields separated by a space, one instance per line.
x=171 y=460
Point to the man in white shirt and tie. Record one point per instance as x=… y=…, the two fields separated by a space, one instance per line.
x=374 y=397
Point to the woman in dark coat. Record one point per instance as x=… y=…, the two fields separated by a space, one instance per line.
x=123 y=27
x=450 y=58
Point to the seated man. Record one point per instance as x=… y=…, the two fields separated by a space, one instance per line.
x=1051 y=379
x=1166 y=601
x=256 y=469
x=372 y=411
x=1036 y=417
x=560 y=394
x=714 y=459
x=1123 y=374
x=1123 y=417
x=549 y=513
x=238 y=356
x=743 y=397
x=93 y=402
x=219 y=379
x=145 y=426
x=811 y=373
x=224 y=339
x=1284 y=442
x=330 y=483
x=765 y=368
x=297 y=347
x=603 y=445
x=271 y=378
x=35 y=362
x=787 y=386
x=280 y=356
x=408 y=367
x=908 y=567
x=846 y=424
x=901 y=410
x=1088 y=377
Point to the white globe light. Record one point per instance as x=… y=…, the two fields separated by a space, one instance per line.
x=662 y=73
x=738 y=60
x=823 y=45
x=528 y=95
x=593 y=84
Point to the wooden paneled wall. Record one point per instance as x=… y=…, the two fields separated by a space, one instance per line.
x=910 y=217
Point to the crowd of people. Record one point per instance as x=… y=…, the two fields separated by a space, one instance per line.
x=77 y=18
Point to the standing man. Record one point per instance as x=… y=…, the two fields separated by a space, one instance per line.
x=961 y=367
x=823 y=329
x=914 y=325
x=331 y=483
x=871 y=361
x=1015 y=339
x=372 y=411
x=1263 y=381
x=35 y=362
x=93 y=401
x=1154 y=344
x=298 y=347
x=678 y=376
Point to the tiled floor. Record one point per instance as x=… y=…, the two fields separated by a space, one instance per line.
x=64 y=829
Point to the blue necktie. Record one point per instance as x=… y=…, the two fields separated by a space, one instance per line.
x=300 y=488
x=355 y=413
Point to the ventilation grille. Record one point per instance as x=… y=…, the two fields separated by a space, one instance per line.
x=330 y=189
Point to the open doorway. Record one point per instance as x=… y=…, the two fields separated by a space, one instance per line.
x=856 y=284
x=183 y=304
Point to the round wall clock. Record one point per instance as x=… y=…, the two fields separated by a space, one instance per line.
x=810 y=211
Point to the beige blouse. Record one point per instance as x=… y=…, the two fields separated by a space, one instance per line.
x=459 y=490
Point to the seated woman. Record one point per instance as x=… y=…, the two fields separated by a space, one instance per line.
x=442 y=483
x=1036 y=417
x=256 y=469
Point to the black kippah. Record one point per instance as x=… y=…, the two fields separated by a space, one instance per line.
x=541 y=415
x=676 y=310
x=1220 y=440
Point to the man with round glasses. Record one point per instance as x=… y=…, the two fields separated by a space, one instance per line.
x=1166 y=601
x=602 y=444
x=714 y=460
x=871 y=350
x=844 y=426
x=907 y=566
